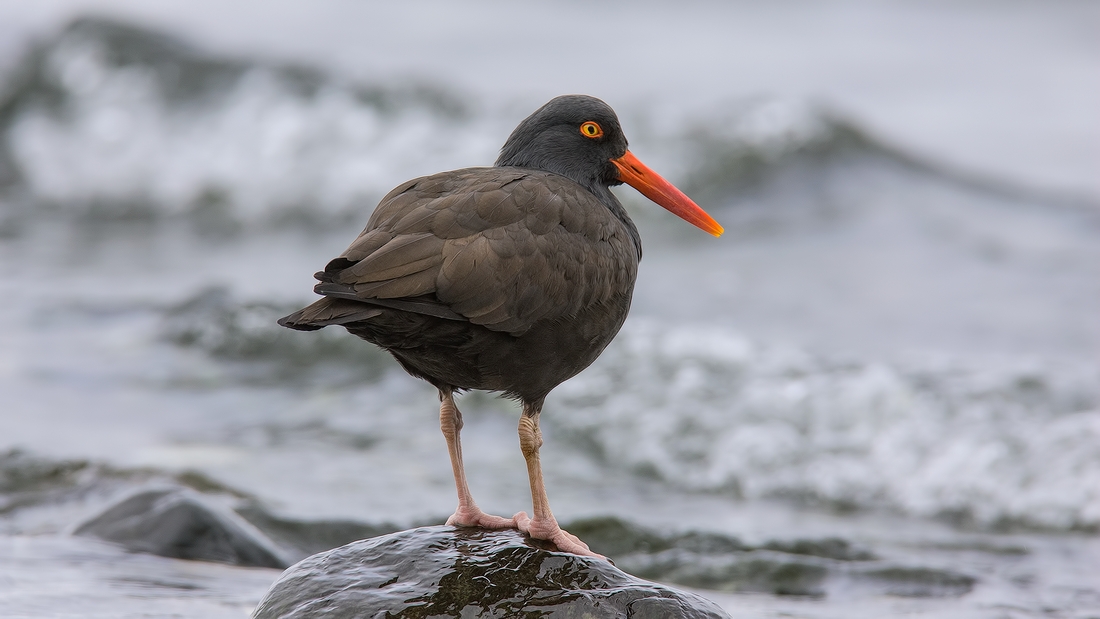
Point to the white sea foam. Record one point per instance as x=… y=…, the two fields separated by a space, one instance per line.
x=705 y=409
x=117 y=121
x=257 y=143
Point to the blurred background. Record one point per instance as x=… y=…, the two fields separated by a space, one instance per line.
x=883 y=379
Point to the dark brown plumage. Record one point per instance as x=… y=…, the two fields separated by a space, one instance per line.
x=510 y=279
x=503 y=279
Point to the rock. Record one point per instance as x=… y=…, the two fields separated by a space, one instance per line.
x=301 y=538
x=719 y=562
x=804 y=567
x=182 y=524
x=443 y=571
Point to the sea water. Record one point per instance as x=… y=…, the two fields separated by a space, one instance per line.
x=884 y=349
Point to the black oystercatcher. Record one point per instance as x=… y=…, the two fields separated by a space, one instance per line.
x=511 y=278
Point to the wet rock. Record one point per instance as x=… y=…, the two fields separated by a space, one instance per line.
x=800 y=567
x=739 y=572
x=715 y=561
x=441 y=571
x=183 y=524
x=301 y=538
x=615 y=537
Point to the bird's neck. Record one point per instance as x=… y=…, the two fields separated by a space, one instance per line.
x=604 y=195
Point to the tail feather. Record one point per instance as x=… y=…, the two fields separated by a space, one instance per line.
x=329 y=311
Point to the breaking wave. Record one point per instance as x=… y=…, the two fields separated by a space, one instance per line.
x=119 y=121
x=1001 y=445
x=114 y=121
x=994 y=444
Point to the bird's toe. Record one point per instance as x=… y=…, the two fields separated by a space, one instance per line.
x=477 y=518
x=567 y=542
x=548 y=529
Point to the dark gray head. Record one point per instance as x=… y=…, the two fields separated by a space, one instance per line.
x=575 y=136
x=579 y=137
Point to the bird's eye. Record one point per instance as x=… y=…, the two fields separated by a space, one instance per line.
x=591 y=130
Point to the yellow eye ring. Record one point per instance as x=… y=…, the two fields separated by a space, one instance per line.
x=591 y=130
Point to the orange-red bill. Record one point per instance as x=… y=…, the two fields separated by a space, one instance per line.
x=637 y=175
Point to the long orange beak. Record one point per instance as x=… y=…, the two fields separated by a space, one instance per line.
x=637 y=175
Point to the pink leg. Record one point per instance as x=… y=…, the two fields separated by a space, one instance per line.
x=543 y=525
x=468 y=513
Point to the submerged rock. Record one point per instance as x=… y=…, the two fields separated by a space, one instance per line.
x=182 y=524
x=302 y=538
x=715 y=561
x=442 y=571
x=805 y=567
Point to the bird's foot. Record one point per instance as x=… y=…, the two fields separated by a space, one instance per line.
x=548 y=529
x=474 y=517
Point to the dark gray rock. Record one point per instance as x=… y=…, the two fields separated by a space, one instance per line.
x=442 y=571
x=183 y=524
x=803 y=567
x=302 y=538
x=719 y=562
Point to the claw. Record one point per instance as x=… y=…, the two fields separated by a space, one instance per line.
x=550 y=531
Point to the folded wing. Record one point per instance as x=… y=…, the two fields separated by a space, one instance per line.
x=498 y=247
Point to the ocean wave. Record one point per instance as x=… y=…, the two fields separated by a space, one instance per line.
x=999 y=445
x=114 y=121
x=991 y=443
x=110 y=121
x=117 y=121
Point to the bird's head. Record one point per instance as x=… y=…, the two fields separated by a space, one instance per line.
x=579 y=137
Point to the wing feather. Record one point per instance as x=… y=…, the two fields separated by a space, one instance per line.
x=500 y=247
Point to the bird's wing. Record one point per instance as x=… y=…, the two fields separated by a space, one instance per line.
x=499 y=247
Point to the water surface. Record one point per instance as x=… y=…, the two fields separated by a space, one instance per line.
x=883 y=351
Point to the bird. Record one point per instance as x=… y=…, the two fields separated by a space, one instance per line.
x=509 y=279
